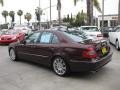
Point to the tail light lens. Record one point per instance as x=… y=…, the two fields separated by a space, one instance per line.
x=99 y=35
x=89 y=53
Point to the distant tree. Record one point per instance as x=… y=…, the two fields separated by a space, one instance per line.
x=65 y=19
x=12 y=15
x=20 y=13
x=80 y=19
x=28 y=17
x=1 y=2
x=5 y=14
x=90 y=4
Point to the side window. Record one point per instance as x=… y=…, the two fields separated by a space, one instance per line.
x=32 y=38
x=46 y=37
x=55 y=39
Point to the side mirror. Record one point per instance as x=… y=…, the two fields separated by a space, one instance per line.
x=23 y=42
x=26 y=34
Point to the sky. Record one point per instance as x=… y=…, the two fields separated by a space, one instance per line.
x=111 y=7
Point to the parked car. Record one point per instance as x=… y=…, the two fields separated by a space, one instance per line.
x=24 y=29
x=105 y=31
x=114 y=37
x=92 y=31
x=62 y=51
x=10 y=36
x=80 y=34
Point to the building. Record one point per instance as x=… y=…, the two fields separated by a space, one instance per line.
x=109 y=20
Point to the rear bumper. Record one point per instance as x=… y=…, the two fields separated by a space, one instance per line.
x=81 y=66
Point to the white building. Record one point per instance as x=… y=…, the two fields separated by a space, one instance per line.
x=109 y=20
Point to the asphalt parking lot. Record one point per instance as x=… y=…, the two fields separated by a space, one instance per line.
x=28 y=76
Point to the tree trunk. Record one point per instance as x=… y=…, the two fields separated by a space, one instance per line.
x=59 y=16
x=59 y=11
x=20 y=20
x=89 y=12
x=5 y=20
x=119 y=13
x=28 y=22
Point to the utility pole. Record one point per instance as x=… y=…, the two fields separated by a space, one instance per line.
x=119 y=13
x=39 y=9
x=102 y=14
x=50 y=15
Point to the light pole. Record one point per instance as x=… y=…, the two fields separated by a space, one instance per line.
x=102 y=14
x=50 y=15
x=39 y=9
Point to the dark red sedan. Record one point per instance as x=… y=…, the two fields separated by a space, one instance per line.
x=10 y=36
x=62 y=51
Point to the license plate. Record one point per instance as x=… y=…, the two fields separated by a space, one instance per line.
x=104 y=51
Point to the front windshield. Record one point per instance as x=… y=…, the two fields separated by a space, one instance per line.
x=90 y=29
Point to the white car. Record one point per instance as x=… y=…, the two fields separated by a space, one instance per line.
x=92 y=31
x=114 y=37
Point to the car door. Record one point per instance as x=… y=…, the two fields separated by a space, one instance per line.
x=46 y=47
x=26 y=50
x=114 y=35
x=118 y=35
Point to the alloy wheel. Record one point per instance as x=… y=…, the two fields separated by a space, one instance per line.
x=60 y=67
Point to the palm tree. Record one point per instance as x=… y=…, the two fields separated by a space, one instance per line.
x=28 y=17
x=5 y=14
x=119 y=13
x=90 y=4
x=12 y=15
x=1 y=2
x=20 y=13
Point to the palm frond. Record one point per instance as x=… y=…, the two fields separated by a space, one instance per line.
x=1 y=2
x=97 y=5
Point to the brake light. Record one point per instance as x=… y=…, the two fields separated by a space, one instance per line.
x=89 y=53
x=99 y=35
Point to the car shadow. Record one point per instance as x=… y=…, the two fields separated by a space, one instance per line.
x=75 y=75
x=90 y=75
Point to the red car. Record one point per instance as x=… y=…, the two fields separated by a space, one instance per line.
x=62 y=51
x=7 y=37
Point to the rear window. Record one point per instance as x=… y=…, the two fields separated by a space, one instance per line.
x=74 y=37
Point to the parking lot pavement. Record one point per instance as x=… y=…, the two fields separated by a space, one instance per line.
x=27 y=76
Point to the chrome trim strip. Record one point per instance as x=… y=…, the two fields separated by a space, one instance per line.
x=34 y=55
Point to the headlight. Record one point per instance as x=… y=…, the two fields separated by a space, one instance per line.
x=0 y=38
x=13 y=38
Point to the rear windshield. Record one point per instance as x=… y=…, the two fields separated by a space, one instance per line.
x=76 y=38
x=90 y=29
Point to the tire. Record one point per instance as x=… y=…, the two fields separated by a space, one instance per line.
x=117 y=45
x=60 y=67
x=12 y=55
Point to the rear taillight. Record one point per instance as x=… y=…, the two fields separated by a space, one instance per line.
x=99 y=35
x=89 y=53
